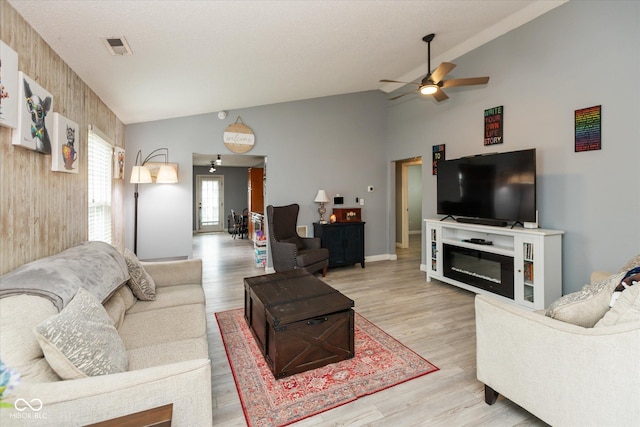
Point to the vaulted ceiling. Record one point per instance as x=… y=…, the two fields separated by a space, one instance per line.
x=192 y=57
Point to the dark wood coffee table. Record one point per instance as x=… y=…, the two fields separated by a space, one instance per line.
x=299 y=322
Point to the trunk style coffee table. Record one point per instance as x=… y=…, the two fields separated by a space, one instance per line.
x=299 y=322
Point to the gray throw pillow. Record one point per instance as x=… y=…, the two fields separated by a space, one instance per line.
x=81 y=340
x=142 y=285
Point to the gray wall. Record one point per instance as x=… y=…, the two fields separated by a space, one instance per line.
x=335 y=143
x=578 y=55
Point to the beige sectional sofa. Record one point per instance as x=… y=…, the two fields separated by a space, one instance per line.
x=163 y=341
x=575 y=364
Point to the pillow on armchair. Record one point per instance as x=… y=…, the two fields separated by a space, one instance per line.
x=586 y=307
x=625 y=310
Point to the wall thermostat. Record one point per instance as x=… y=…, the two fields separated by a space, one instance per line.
x=222 y=115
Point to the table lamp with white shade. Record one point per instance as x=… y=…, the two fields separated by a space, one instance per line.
x=322 y=198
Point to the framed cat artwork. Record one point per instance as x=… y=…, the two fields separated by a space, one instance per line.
x=65 y=145
x=35 y=116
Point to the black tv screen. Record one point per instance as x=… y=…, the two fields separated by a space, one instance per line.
x=499 y=186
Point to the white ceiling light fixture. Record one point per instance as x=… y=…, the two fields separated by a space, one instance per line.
x=428 y=89
x=117 y=46
x=218 y=160
x=212 y=169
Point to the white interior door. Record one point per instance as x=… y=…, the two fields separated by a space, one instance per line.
x=210 y=203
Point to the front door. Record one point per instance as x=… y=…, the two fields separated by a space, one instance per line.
x=210 y=202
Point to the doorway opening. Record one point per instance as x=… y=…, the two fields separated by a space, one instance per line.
x=408 y=202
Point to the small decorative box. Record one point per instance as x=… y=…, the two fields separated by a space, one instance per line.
x=348 y=214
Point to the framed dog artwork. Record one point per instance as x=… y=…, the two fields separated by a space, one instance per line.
x=65 y=145
x=35 y=116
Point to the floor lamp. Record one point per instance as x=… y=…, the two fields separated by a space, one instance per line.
x=140 y=174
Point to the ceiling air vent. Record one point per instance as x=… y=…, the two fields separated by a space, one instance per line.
x=117 y=46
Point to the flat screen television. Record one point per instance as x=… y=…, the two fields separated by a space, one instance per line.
x=500 y=186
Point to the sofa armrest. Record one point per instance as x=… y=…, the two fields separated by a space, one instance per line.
x=311 y=242
x=187 y=385
x=562 y=373
x=169 y=273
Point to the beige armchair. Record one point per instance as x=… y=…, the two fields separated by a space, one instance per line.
x=564 y=374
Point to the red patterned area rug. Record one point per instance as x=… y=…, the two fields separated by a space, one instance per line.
x=380 y=362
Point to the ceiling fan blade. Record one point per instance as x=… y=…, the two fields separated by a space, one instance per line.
x=396 y=81
x=400 y=96
x=442 y=70
x=465 y=82
x=440 y=95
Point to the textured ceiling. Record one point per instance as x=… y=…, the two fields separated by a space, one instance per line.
x=193 y=57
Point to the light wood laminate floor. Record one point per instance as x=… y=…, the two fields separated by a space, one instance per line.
x=435 y=320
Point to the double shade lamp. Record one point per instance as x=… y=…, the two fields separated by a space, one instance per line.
x=140 y=174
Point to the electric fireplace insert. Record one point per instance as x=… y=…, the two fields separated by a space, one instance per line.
x=483 y=270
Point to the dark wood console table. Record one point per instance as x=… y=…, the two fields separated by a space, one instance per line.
x=345 y=241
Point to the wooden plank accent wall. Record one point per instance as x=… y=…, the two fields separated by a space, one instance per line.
x=43 y=212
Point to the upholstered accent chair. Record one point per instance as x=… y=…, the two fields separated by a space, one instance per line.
x=290 y=251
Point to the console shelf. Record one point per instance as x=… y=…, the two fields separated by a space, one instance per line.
x=519 y=265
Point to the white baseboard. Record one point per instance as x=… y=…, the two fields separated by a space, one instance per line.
x=382 y=257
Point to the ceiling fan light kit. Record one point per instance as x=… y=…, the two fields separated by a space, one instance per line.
x=433 y=83
x=428 y=89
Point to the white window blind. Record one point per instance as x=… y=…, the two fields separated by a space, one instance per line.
x=100 y=170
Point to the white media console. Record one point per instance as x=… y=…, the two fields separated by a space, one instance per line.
x=520 y=265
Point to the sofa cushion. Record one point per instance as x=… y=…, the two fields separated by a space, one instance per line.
x=586 y=307
x=142 y=285
x=165 y=353
x=80 y=341
x=19 y=347
x=162 y=326
x=171 y=296
x=625 y=310
x=127 y=296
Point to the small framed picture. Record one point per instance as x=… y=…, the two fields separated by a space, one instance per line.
x=588 y=128
x=437 y=155
x=8 y=86
x=65 y=146
x=118 y=163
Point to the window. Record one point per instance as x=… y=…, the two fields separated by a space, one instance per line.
x=100 y=154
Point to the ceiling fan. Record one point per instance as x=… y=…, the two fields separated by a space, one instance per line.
x=432 y=83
